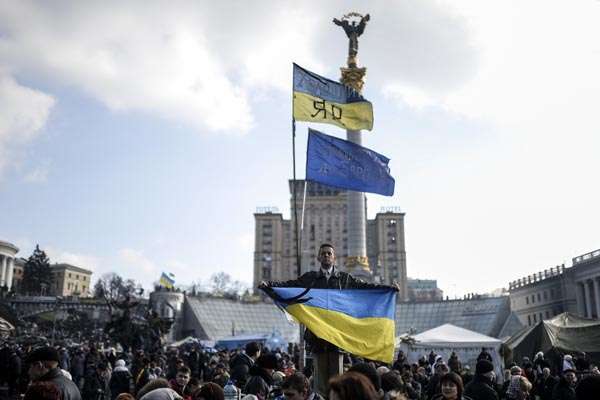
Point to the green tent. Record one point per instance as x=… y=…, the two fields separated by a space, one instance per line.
x=564 y=334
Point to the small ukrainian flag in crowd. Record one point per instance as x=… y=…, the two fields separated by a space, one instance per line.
x=167 y=280
x=360 y=321
x=318 y=99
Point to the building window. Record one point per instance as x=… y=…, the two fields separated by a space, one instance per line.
x=547 y=314
x=539 y=297
x=69 y=274
x=529 y=320
x=527 y=299
x=532 y=298
x=545 y=295
x=552 y=293
x=534 y=318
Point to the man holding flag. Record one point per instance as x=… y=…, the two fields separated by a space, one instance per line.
x=341 y=312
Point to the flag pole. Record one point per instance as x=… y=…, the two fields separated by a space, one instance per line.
x=298 y=259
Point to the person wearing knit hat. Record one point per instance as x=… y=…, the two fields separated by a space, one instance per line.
x=261 y=376
x=43 y=367
x=481 y=387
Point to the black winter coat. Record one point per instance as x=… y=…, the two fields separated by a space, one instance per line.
x=480 y=388
x=563 y=391
x=240 y=367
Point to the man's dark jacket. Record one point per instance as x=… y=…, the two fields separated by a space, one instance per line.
x=318 y=280
x=68 y=390
x=563 y=391
x=480 y=388
x=240 y=367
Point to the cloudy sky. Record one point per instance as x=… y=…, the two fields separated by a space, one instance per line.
x=140 y=136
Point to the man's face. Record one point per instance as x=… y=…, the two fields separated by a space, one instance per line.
x=182 y=378
x=293 y=394
x=37 y=370
x=326 y=256
x=571 y=378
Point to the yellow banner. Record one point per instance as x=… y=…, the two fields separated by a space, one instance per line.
x=353 y=116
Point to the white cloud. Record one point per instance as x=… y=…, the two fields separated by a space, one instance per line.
x=37 y=175
x=23 y=114
x=86 y=261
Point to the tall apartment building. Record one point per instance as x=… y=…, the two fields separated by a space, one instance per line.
x=325 y=221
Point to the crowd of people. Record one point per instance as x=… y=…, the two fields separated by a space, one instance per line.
x=192 y=372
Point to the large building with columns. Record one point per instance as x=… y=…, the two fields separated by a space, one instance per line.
x=559 y=289
x=8 y=253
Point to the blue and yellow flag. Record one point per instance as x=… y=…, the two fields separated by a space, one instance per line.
x=167 y=280
x=318 y=99
x=360 y=321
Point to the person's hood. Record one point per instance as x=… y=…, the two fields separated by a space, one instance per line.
x=162 y=394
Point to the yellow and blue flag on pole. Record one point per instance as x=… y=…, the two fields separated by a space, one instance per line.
x=167 y=280
x=318 y=99
x=359 y=321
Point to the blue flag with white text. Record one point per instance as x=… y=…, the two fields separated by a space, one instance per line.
x=346 y=165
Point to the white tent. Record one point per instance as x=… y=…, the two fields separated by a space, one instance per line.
x=448 y=338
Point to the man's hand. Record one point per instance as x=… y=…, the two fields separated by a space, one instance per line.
x=396 y=285
x=262 y=285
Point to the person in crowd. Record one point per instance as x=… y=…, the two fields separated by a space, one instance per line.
x=518 y=387
x=261 y=376
x=181 y=380
x=433 y=387
x=454 y=363
x=210 y=391
x=162 y=394
x=351 y=386
x=466 y=375
x=546 y=384
x=539 y=363
x=401 y=360
x=42 y=391
x=368 y=370
x=121 y=380
x=193 y=385
x=145 y=374
x=568 y=363
x=297 y=387
x=413 y=388
x=451 y=388
x=125 y=396
x=482 y=385
x=43 y=367
x=78 y=367
x=241 y=363
x=159 y=383
x=484 y=355
x=565 y=388
x=96 y=386
x=392 y=386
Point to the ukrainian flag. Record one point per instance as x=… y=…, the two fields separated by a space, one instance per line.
x=167 y=280
x=318 y=99
x=360 y=321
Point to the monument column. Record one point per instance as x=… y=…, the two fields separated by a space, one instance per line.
x=357 y=261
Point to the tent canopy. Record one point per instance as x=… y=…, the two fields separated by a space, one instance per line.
x=565 y=333
x=448 y=335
